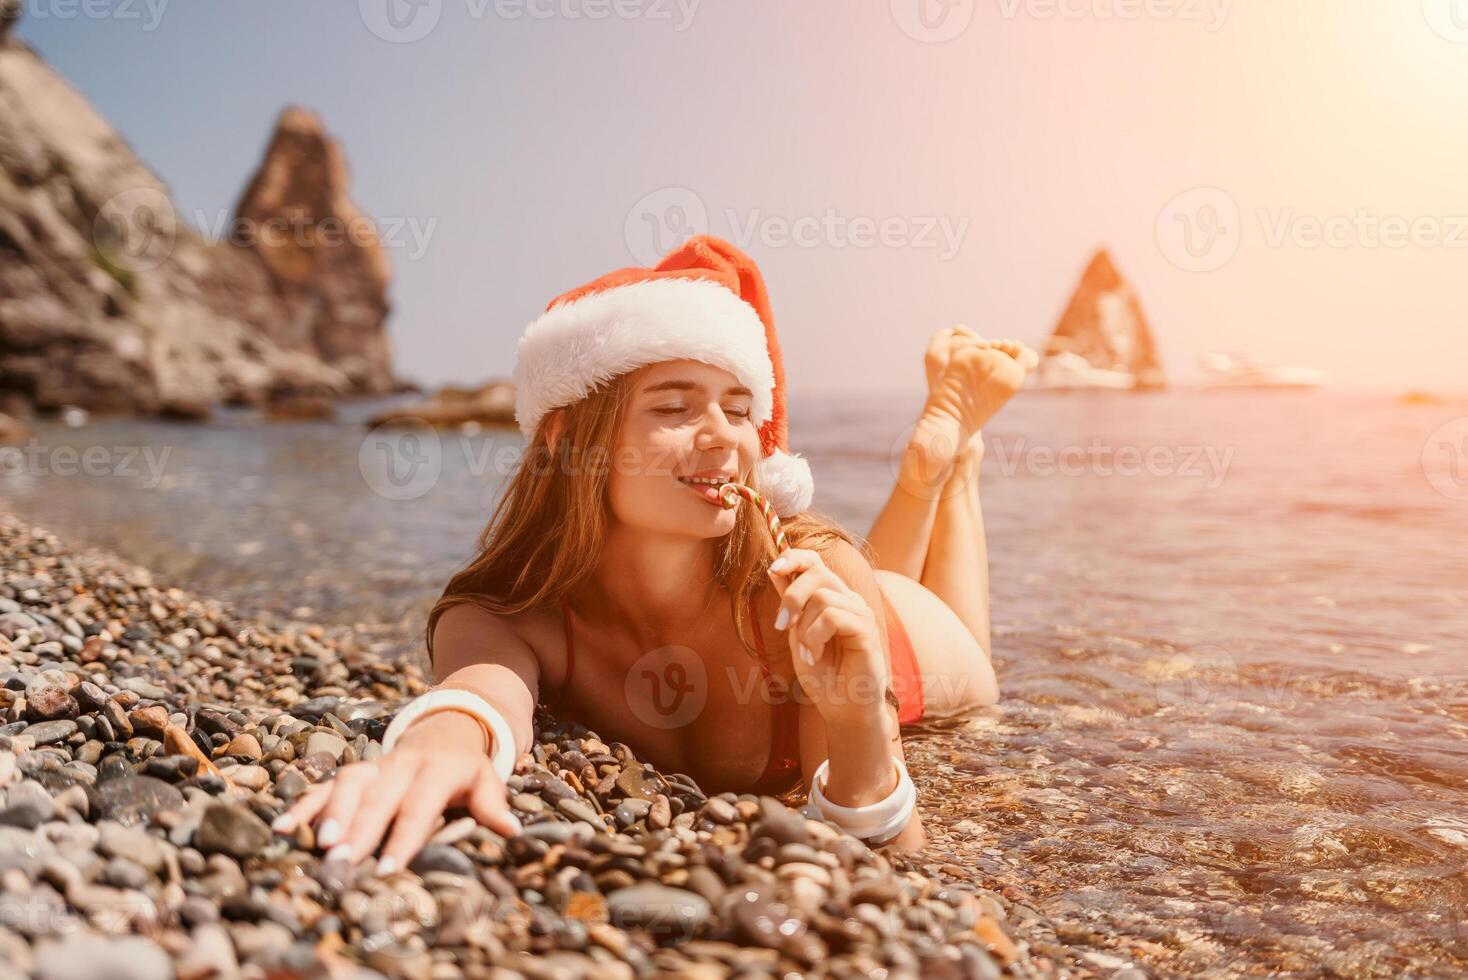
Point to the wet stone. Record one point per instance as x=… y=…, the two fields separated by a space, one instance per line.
x=527 y=803
x=89 y=696
x=578 y=810
x=28 y=814
x=629 y=812
x=780 y=824
x=133 y=799
x=143 y=688
x=557 y=790
x=152 y=720
x=245 y=746
x=231 y=829
x=763 y=919
x=659 y=909
x=171 y=768
x=47 y=732
x=328 y=743
x=112 y=767
x=49 y=703
x=317 y=765
x=122 y=873
x=116 y=716
x=253 y=778
x=720 y=811
x=437 y=857
x=82 y=954
x=559 y=831
x=290 y=785
x=634 y=783
x=134 y=844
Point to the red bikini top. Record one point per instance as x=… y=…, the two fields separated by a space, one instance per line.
x=782 y=772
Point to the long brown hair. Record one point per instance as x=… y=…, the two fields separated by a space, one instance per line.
x=547 y=531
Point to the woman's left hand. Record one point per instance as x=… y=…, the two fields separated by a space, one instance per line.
x=834 y=638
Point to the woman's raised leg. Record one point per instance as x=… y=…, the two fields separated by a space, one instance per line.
x=900 y=534
x=948 y=596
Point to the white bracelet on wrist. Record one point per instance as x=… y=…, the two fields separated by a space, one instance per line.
x=455 y=699
x=875 y=821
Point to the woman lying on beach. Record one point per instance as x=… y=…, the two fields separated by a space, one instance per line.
x=614 y=587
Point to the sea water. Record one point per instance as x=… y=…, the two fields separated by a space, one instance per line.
x=1229 y=628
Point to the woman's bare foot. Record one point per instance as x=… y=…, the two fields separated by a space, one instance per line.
x=970 y=379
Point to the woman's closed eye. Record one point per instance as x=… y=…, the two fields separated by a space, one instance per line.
x=738 y=413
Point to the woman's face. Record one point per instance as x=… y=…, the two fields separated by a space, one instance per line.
x=684 y=419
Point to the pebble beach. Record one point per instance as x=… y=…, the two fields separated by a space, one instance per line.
x=150 y=735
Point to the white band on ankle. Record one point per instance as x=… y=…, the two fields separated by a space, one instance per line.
x=502 y=740
x=875 y=821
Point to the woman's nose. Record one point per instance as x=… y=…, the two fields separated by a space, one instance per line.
x=716 y=430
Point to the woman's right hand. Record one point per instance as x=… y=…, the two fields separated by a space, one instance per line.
x=438 y=763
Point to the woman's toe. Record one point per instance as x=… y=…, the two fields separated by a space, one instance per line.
x=935 y=358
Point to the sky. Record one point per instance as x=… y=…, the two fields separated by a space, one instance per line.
x=1280 y=179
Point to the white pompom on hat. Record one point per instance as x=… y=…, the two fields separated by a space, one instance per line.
x=704 y=301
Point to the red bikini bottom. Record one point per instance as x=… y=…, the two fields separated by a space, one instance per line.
x=907 y=680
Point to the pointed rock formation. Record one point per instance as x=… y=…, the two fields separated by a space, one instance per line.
x=110 y=302
x=322 y=252
x=1105 y=325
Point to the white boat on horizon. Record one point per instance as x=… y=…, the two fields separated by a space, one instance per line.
x=1239 y=371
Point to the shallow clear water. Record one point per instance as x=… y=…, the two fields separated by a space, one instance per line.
x=1230 y=631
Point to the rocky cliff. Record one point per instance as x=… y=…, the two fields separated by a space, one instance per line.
x=111 y=302
x=323 y=255
x=1104 y=324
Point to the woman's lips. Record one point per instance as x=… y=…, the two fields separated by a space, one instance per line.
x=708 y=492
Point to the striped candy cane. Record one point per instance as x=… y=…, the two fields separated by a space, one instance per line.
x=729 y=494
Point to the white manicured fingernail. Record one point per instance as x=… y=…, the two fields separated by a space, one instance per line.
x=514 y=821
x=284 y=823
x=339 y=853
x=806 y=655
x=782 y=619
x=778 y=565
x=387 y=866
x=329 y=834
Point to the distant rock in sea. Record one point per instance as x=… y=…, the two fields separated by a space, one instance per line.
x=451 y=406
x=301 y=408
x=334 y=293
x=110 y=302
x=1105 y=325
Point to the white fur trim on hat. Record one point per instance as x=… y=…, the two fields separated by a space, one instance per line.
x=572 y=348
x=786 y=482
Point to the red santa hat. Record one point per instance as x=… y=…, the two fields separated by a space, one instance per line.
x=705 y=301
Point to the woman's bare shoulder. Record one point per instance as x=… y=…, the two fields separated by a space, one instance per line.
x=466 y=626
